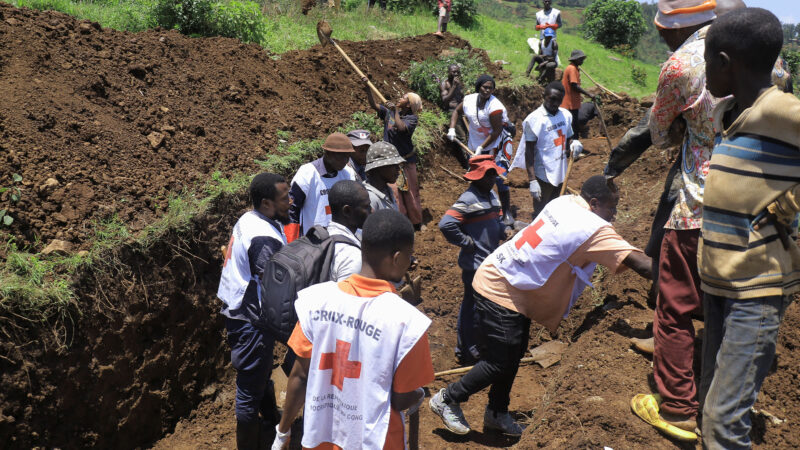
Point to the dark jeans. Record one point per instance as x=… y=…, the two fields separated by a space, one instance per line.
x=251 y=356
x=502 y=340
x=582 y=116
x=547 y=69
x=738 y=349
x=466 y=346
x=549 y=192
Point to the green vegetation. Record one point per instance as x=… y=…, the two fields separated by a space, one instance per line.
x=614 y=22
x=424 y=77
x=14 y=194
x=234 y=19
x=638 y=75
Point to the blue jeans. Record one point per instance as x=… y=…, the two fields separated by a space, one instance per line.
x=466 y=347
x=251 y=356
x=501 y=185
x=738 y=349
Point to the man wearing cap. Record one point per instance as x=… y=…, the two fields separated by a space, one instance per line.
x=474 y=224
x=546 y=58
x=383 y=168
x=547 y=143
x=582 y=113
x=310 y=185
x=536 y=275
x=548 y=18
x=361 y=142
x=681 y=115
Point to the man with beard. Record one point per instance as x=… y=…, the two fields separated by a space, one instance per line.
x=256 y=236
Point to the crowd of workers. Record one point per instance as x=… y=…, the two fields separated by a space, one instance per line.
x=722 y=245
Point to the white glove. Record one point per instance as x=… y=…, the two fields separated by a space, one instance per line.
x=415 y=407
x=281 y=439
x=451 y=134
x=536 y=190
x=576 y=148
x=479 y=150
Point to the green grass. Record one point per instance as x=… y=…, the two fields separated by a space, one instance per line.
x=120 y=14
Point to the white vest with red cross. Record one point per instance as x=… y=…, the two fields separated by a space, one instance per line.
x=316 y=209
x=551 y=133
x=532 y=255
x=480 y=126
x=358 y=344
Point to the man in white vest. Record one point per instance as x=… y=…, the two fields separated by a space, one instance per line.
x=548 y=17
x=546 y=145
x=537 y=275
x=256 y=236
x=311 y=183
x=362 y=351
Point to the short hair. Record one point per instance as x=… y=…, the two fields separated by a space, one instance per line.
x=345 y=192
x=752 y=35
x=555 y=86
x=598 y=187
x=263 y=187
x=385 y=232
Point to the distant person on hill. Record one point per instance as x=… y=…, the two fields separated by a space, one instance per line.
x=486 y=118
x=680 y=115
x=546 y=58
x=383 y=168
x=749 y=266
x=349 y=209
x=548 y=18
x=444 y=16
x=582 y=113
x=536 y=275
x=361 y=142
x=474 y=224
x=452 y=93
x=399 y=123
x=311 y=183
x=547 y=143
x=363 y=354
x=257 y=235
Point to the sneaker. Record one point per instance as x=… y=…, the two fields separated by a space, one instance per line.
x=451 y=414
x=502 y=422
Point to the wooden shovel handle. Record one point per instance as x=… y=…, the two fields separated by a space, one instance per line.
x=566 y=177
x=358 y=71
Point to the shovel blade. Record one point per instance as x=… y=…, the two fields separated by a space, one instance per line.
x=324 y=32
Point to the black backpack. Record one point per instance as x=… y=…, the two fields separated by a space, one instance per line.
x=302 y=263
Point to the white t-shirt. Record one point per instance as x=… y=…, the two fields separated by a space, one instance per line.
x=316 y=209
x=478 y=119
x=346 y=257
x=554 y=17
x=551 y=133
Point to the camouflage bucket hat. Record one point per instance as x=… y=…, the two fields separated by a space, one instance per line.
x=382 y=154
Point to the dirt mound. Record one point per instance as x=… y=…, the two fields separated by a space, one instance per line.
x=123 y=120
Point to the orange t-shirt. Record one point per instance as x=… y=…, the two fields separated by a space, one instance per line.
x=572 y=97
x=414 y=371
x=547 y=304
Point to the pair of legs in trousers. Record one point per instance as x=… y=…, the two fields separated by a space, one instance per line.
x=466 y=346
x=738 y=349
x=502 y=340
x=549 y=192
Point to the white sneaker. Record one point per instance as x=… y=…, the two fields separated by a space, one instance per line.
x=501 y=421
x=451 y=414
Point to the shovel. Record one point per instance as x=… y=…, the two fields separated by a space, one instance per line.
x=324 y=32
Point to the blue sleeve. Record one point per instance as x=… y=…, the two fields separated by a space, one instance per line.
x=261 y=250
x=450 y=226
x=298 y=200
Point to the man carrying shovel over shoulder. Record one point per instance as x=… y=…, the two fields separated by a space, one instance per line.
x=543 y=150
x=536 y=275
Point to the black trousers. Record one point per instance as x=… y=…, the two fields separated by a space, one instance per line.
x=582 y=116
x=502 y=337
x=549 y=193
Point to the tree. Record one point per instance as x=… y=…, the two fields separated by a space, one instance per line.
x=614 y=22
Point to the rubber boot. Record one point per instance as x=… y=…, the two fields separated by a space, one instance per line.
x=247 y=435
x=505 y=203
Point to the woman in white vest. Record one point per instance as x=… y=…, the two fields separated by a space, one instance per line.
x=536 y=275
x=486 y=117
x=362 y=351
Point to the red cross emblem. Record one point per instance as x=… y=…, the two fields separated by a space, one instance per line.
x=560 y=140
x=228 y=252
x=328 y=209
x=342 y=368
x=530 y=236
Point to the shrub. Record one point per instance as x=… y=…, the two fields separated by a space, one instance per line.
x=614 y=22
x=240 y=20
x=639 y=76
x=423 y=77
x=792 y=58
x=464 y=13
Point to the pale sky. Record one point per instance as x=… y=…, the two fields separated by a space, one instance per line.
x=788 y=11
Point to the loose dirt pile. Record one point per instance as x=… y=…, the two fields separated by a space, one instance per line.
x=121 y=120
x=149 y=348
